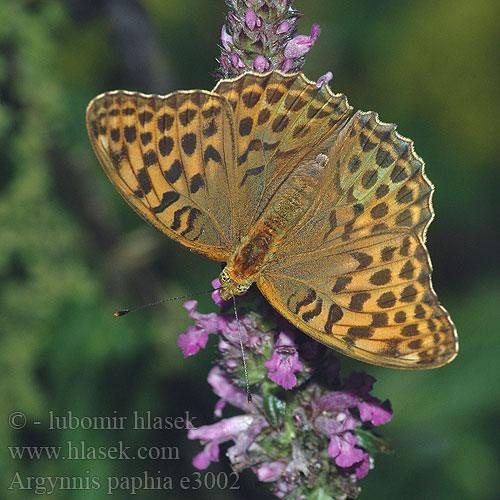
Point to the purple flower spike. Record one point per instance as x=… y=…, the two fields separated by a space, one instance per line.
x=251 y=19
x=261 y=64
x=300 y=45
x=336 y=415
x=284 y=362
x=324 y=79
x=321 y=434
x=263 y=28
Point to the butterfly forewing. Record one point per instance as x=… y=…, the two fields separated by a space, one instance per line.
x=280 y=121
x=172 y=159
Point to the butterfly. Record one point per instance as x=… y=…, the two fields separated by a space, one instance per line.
x=326 y=212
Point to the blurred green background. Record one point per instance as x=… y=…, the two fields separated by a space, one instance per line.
x=72 y=252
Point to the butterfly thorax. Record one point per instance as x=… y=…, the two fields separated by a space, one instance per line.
x=285 y=208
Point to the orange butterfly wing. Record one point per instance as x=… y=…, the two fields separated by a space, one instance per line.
x=355 y=274
x=172 y=159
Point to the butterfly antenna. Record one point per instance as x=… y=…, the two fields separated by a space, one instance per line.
x=249 y=395
x=151 y=304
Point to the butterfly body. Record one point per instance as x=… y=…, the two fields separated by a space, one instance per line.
x=284 y=209
x=326 y=212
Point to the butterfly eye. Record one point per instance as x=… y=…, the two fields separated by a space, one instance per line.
x=224 y=277
x=242 y=288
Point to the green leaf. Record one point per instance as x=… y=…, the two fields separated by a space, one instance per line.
x=275 y=409
x=320 y=494
x=371 y=443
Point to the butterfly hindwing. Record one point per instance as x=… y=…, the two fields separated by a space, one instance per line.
x=372 y=300
x=354 y=273
x=172 y=159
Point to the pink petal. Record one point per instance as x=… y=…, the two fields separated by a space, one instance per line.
x=225 y=37
x=210 y=454
x=283 y=28
x=270 y=471
x=191 y=342
x=251 y=19
x=324 y=79
x=342 y=449
x=261 y=64
x=364 y=467
x=375 y=412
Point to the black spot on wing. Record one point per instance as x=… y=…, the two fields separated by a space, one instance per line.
x=210 y=129
x=246 y=125
x=165 y=145
x=362 y=332
x=335 y=314
x=167 y=199
x=150 y=158
x=115 y=134
x=308 y=315
x=332 y=219
x=174 y=172
x=145 y=117
x=187 y=116
x=176 y=223
x=341 y=283
x=188 y=142
x=211 y=154
x=363 y=259
x=146 y=138
x=251 y=172
x=130 y=133
x=196 y=183
x=165 y=122
x=193 y=214
x=144 y=181
x=280 y=123
x=251 y=98
x=308 y=299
